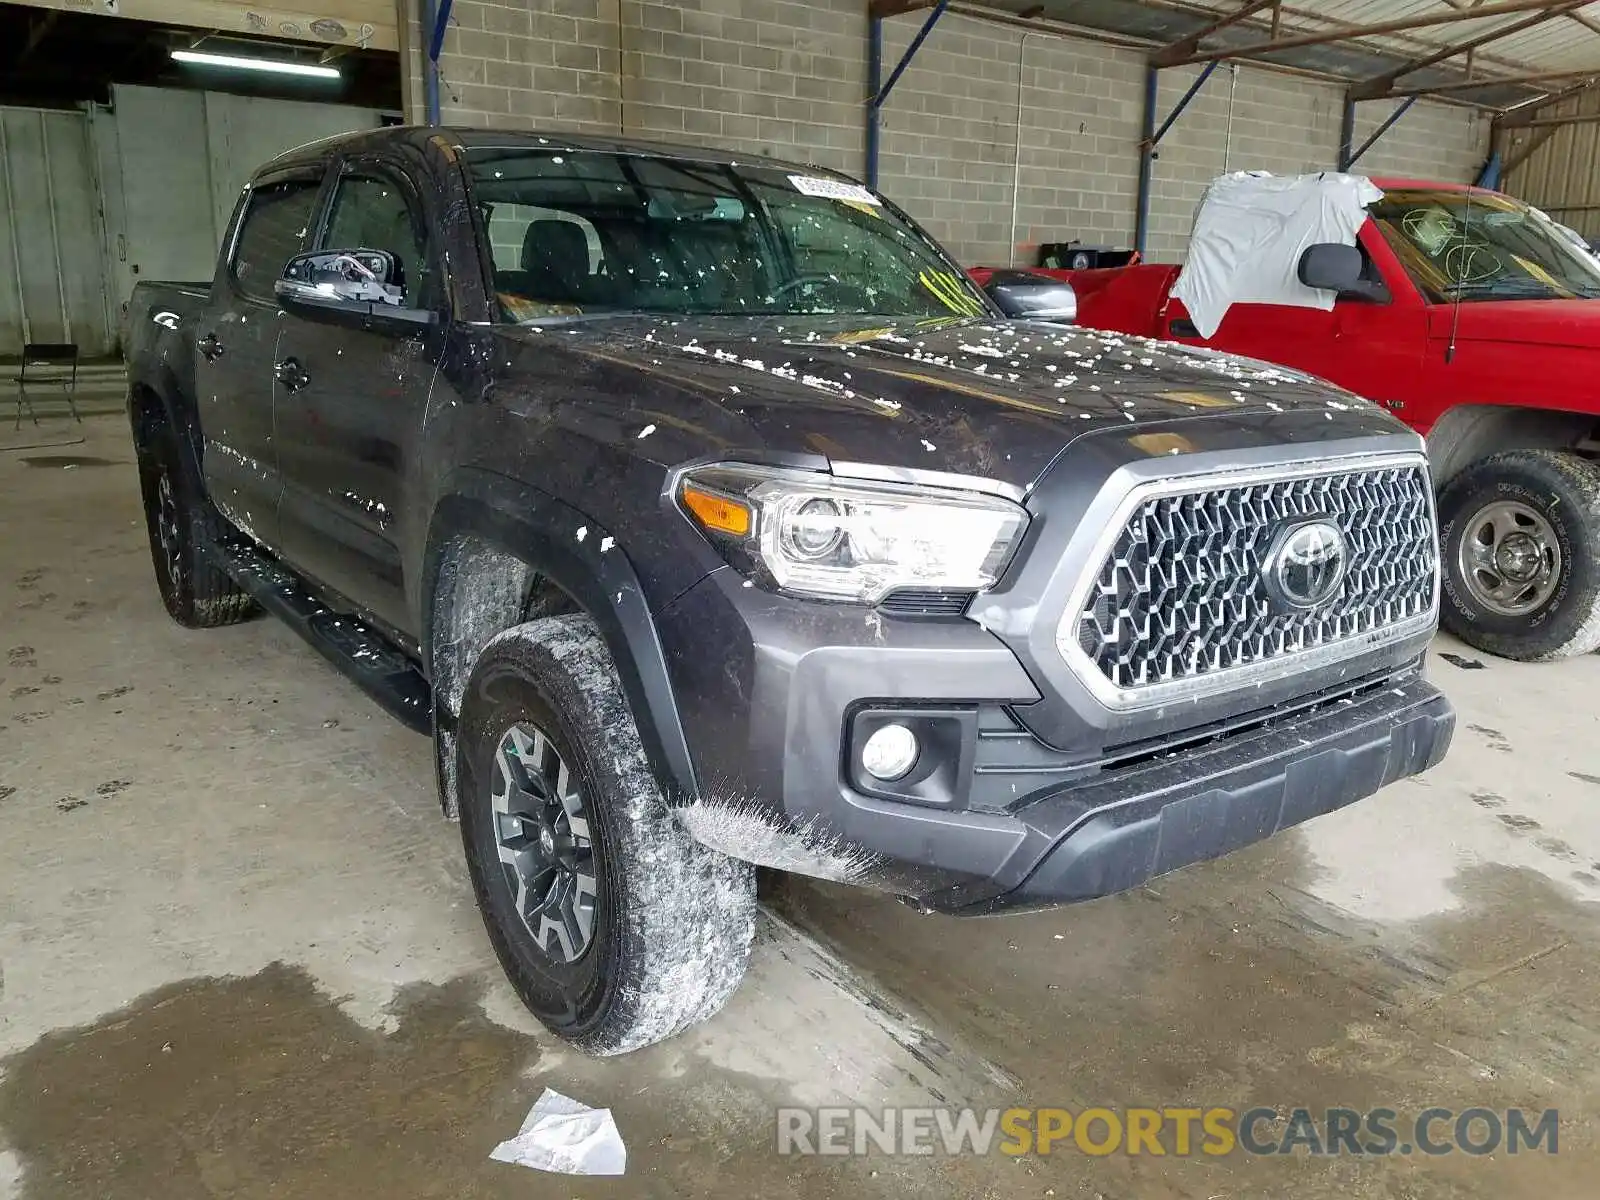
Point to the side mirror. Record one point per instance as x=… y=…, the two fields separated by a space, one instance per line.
x=360 y=287
x=1025 y=295
x=1330 y=267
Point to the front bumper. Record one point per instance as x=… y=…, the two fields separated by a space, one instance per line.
x=771 y=713
x=1201 y=804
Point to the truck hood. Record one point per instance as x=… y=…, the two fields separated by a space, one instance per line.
x=986 y=399
x=1574 y=323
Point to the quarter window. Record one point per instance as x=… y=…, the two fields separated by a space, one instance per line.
x=273 y=231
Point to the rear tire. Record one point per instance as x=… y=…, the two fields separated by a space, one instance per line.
x=196 y=592
x=616 y=928
x=1520 y=547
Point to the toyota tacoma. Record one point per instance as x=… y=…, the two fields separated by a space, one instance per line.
x=707 y=516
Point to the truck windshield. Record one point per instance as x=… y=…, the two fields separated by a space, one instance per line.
x=581 y=232
x=1492 y=249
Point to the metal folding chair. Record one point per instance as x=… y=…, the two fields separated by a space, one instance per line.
x=48 y=355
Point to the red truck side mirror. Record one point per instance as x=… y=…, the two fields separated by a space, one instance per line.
x=1331 y=267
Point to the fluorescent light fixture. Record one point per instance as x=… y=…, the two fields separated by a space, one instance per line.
x=236 y=63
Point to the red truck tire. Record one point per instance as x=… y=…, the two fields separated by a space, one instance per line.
x=1519 y=540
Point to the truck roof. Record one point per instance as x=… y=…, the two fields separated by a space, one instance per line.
x=472 y=138
x=1428 y=185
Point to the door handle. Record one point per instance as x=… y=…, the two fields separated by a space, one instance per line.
x=291 y=374
x=210 y=347
x=1183 y=328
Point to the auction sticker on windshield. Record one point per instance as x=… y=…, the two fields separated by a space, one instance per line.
x=833 y=189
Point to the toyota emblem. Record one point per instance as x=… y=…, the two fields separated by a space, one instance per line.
x=1306 y=564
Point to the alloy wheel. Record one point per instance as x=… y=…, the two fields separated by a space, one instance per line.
x=167 y=531
x=541 y=829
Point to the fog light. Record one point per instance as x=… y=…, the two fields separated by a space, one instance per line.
x=890 y=752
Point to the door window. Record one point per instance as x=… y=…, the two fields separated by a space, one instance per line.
x=372 y=214
x=272 y=232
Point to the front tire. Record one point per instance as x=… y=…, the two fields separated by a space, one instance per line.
x=614 y=925
x=1520 y=549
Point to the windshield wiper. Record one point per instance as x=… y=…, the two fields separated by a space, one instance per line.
x=1501 y=289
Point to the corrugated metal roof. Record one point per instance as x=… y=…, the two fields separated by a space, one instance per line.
x=1554 y=44
x=1557 y=43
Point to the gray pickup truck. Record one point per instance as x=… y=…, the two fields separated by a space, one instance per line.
x=705 y=514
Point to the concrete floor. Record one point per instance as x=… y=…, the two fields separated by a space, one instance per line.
x=238 y=955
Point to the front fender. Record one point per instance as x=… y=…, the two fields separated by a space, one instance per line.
x=571 y=550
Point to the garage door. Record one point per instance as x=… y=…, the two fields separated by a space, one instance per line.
x=52 y=285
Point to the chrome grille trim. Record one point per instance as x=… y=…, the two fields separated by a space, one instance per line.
x=1197 y=663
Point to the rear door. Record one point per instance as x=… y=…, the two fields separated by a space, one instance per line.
x=352 y=409
x=235 y=342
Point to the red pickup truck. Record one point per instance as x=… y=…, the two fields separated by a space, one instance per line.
x=1477 y=321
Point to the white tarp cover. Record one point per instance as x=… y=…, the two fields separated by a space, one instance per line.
x=1251 y=231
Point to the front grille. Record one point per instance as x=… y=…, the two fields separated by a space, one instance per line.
x=1180 y=598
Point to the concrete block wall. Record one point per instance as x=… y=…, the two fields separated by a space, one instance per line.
x=788 y=78
x=949 y=149
x=525 y=64
x=1254 y=120
x=780 y=77
x=1431 y=141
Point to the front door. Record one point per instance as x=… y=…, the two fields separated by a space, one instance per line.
x=1371 y=345
x=350 y=404
x=235 y=342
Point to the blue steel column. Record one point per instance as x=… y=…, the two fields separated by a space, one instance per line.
x=1347 y=133
x=1152 y=138
x=435 y=21
x=1147 y=157
x=875 y=71
x=874 y=86
x=430 y=63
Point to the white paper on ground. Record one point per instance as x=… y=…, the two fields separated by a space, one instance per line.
x=562 y=1135
x=1251 y=231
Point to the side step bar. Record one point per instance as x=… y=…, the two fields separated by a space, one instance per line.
x=359 y=652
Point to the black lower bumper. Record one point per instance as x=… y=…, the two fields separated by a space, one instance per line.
x=1205 y=803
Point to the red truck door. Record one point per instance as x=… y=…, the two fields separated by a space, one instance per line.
x=1373 y=347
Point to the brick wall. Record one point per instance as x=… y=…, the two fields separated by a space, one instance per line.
x=788 y=77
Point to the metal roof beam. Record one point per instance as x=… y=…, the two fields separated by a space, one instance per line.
x=1383 y=85
x=1502 y=8
x=1547 y=122
x=1520 y=116
x=1587 y=22
x=1180 y=50
x=1483 y=81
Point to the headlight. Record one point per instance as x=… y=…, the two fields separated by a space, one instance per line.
x=815 y=536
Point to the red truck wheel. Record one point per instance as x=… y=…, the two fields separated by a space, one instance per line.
x=1520 y=544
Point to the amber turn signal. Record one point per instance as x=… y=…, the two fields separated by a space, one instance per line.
x=717 y=513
